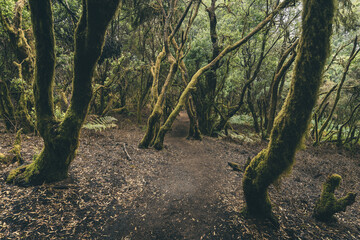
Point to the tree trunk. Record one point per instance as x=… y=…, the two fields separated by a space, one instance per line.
x=252 y=110
x=25 y=64
x=159 y=141
x=274 y=88
x=194 y=131
x=6 y=107
x=61 y=139
x=155 y=117
x=205 y=93
x=292 y=121
x=352 y=56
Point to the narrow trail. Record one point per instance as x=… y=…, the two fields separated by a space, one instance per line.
x=184 y=200
x=186 y=191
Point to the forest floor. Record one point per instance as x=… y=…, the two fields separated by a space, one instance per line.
x=186 y=191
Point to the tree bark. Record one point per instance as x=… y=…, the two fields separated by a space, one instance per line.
x=6 y=107
x=25 y=65
x=292 y=121
x=205 y=93
x=61 y=138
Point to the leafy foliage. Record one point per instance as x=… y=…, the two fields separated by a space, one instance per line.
x=98 y=123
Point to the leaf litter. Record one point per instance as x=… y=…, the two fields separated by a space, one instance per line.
x=186 y=191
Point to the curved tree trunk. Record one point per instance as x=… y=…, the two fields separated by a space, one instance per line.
x=153 y=124
x=155 y=117
x=292 y=121
x=274 y=88
x=61 y=139
x=159 y=141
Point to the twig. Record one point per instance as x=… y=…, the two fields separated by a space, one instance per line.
x=127 y=154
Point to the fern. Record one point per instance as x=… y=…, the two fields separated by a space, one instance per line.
x=98 y=123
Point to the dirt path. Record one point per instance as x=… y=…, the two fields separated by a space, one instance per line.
x=186 y=191
x=185 y=200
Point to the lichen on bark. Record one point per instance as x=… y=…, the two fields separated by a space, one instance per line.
x=293 y=119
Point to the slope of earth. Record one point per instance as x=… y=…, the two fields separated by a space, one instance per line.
x=186 y=191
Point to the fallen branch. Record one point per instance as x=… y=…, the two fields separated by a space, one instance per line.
x=127 y=154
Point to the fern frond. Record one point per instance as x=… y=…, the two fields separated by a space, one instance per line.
x=98 y=123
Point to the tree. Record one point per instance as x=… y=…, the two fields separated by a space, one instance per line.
x=158 y=100
x=25 y=65
x=61 y=138
x=293 y=119
x=159 y=140
x=354 y=52
x=205 y=93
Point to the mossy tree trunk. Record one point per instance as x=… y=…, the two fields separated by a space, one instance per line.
x=19 y=43
x=155 y=117
x=205 y=93
x=25 y=65
x=292 y=121
x=61 y=138
x=6 y=107
x=194 y=129
x=154 y=120
x=159 y=141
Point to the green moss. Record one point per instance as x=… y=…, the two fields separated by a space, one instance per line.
x=23 y=116
x=151 y=129
x=293 y=119
x=62 y=139
x=14 y=173
x=328 y=205
x=154 y=119
x=6 y=106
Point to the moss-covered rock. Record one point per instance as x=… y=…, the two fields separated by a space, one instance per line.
x=328 y=205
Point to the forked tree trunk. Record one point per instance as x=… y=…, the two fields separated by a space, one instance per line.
x=159 y=140
x=352 y=56
x=61 y=138
x=292 y=121
x=155 y=117
x=280 y=73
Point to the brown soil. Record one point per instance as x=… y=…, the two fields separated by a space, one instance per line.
x=186 y=191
